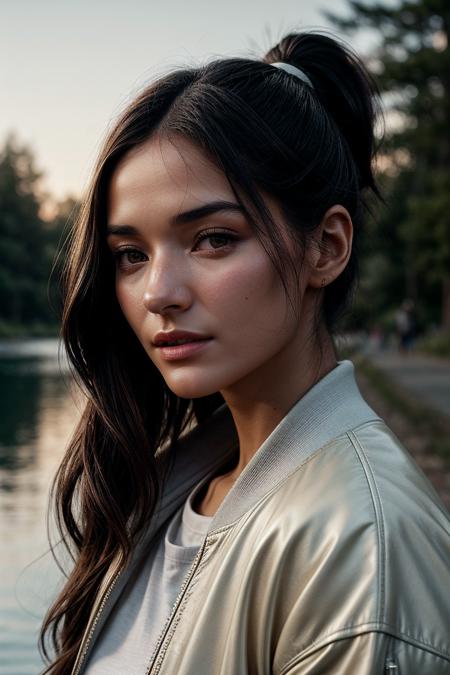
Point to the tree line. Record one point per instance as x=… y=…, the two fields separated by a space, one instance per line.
x=29 y=245
x=407 y=243
x=406 y=250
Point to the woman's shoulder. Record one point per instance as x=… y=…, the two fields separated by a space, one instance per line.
x=362 y=500
x=400 y=492
x=367 y=473
x=359 y=526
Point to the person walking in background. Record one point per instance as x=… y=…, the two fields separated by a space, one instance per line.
x=231 y=502
x=406 y=326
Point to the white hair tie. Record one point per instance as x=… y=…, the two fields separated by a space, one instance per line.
x=293 y=70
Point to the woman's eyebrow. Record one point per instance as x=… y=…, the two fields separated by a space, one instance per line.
x=206 y=210
x=182 y=218
x=121 y=230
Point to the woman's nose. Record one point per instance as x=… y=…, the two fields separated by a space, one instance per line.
x=165 y=290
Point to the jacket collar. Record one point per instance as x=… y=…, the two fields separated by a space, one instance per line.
x=333 y=406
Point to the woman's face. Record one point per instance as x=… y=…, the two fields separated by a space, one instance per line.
x=187 y=259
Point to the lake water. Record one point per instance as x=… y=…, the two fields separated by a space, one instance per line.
x=38 y=414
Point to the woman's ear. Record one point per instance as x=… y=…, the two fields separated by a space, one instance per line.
x=330 y=247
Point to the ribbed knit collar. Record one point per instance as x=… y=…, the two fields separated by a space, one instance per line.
x=333 y=406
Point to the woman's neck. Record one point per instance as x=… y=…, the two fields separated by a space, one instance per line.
x=258 y=404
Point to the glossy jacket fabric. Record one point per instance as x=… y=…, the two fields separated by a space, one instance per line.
x=330 y=555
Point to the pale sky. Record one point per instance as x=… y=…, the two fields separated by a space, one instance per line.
x=68 y=67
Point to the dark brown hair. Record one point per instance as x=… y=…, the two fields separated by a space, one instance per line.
x=309 y=148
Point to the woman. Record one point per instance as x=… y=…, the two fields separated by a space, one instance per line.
x=232 y=503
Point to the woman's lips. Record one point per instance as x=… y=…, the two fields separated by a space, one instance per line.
x=183 y=351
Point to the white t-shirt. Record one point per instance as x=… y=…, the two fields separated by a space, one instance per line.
x=128 y=638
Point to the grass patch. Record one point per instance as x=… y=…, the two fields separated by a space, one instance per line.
x=36 y=329
x=435 y=345
x=422 y=419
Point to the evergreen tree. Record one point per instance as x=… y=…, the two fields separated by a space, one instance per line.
x=411 y=63
x=27 y=246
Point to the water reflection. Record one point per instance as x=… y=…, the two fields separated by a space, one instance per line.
x=39 y=412
x=19 y=401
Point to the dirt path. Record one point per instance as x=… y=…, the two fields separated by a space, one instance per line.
x=437 y=468
x=426 y=377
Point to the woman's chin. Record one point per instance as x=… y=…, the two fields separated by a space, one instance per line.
x=191 y=390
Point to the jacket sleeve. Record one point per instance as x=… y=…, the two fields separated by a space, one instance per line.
x=371 y=653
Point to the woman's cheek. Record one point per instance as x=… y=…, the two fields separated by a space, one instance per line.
x=130 y=302
x=248 y=288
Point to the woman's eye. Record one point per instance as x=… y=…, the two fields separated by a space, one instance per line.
x=218 y=240
x=126 y=257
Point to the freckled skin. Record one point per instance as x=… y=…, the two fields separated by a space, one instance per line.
x=261 y=357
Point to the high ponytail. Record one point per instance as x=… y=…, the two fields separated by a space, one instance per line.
x=345 y=88
x=348 y=96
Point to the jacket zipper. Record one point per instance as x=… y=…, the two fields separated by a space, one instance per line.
x=163 y=634
x=96 y=612
x=390 y=666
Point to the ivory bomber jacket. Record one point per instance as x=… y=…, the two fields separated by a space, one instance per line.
x=329 y=555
